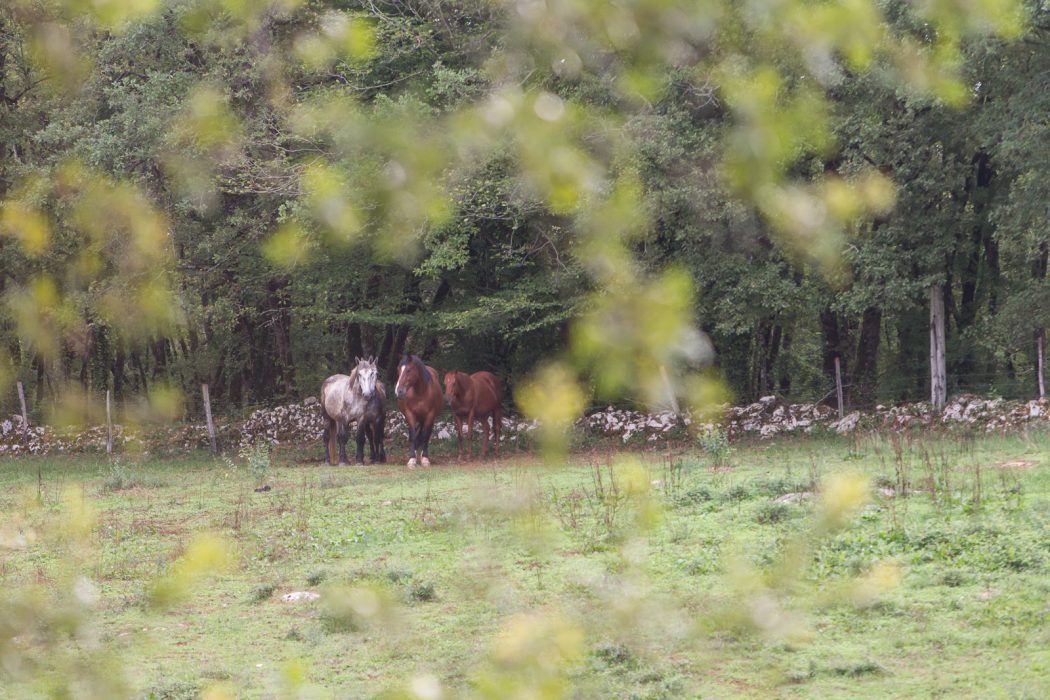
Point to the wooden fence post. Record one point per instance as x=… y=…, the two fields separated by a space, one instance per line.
x=109 y=425
x=938 y=367
x=207 y=416
x=1040 y=342
x=22 y=400
x=670 y=394
x=838 y=387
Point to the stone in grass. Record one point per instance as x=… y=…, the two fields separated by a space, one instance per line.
x=794 y=497
x=298 y=596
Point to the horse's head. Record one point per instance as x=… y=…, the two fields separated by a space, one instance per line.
x=366 y=372
x=451 y=386
x=410 y=371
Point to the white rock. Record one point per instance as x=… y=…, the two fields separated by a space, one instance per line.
x=296 y=596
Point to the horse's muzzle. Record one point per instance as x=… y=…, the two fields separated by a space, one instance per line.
x=400 y=392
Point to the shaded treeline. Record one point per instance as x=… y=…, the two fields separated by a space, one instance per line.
x=495 y=284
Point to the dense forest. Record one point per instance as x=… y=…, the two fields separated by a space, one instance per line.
x=494 y=281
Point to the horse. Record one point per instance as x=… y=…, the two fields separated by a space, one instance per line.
x=473 y=396
x=357 y=397
x=419 y=398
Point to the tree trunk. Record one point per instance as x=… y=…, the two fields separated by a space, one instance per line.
x=832 y=345
x=443 y=290
x=866 y=363
x=119 y=360
x=785 y=374
x=354 y=342
x=283 y=380
x=40 y=371
x=385 y=358
x=159 y=349
x=979 y=278
x=136 y=362
x=772 y=353
x=938 y=370
x=368 y=340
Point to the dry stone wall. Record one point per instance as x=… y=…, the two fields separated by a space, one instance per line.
x=300 y=423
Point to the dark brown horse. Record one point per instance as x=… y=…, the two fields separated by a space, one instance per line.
x=473 y=396
x=419 y=398
x=357 y=397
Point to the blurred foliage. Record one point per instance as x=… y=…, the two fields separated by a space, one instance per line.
x=205 y=555
x=245 y=193
x=249 y=193
x=49 y=641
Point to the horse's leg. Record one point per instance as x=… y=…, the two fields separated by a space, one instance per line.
x=344 y=435
x=459 y=435
x=497 y=426
x=470 y=432
x=332 y=442
x=412 y=434
x=426 y=430
x=362 y=425
x=379 y=426
x=485 y=430
x=370 y=433
x=324 y=440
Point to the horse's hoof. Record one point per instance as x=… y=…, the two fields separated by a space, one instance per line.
x=412 y=463
x=425 y=462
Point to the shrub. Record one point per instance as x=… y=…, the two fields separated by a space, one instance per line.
x=772 y=512
x=616 y=655
x=399 y=575
x=693 y=496
x=715 y=443
x=173 y=690
x=737 y=493
x=422 y=592
x=119 y=477
x=860 y=668
x=257 y=459
x=263 y=592
x=780 y=486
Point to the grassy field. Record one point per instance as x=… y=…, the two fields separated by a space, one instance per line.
x=702 y=586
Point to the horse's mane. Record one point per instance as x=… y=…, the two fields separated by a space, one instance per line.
x=354 y=372
x=422 y=368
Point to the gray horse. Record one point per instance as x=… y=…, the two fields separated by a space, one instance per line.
x=357 y=397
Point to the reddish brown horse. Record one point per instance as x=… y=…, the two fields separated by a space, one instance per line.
x=473 y=396
x=419 y=398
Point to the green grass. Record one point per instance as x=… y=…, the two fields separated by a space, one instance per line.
x=458 y=549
